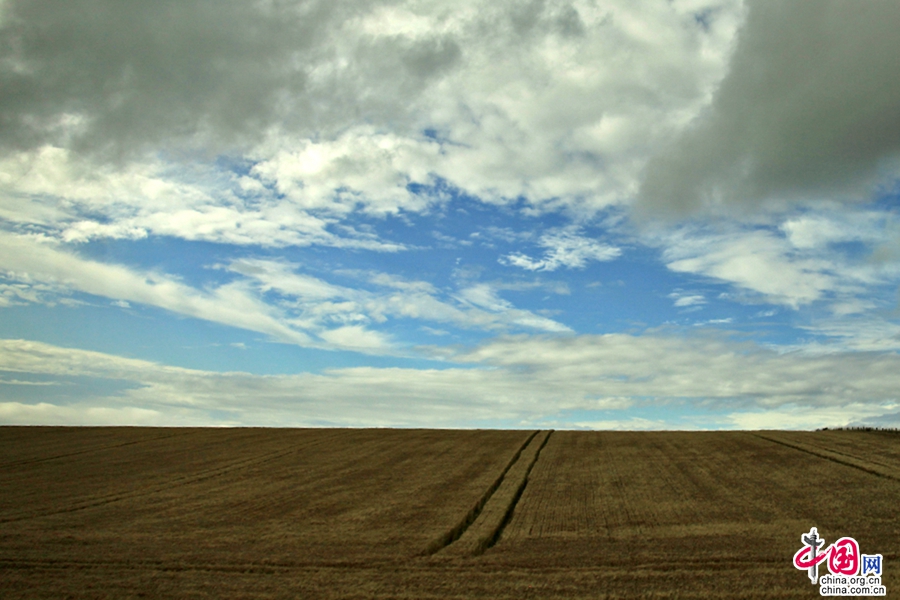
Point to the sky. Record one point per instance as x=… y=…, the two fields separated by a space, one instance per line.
x=586 y=214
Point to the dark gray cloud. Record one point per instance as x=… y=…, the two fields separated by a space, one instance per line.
x=117 y=75
x=112 y=78
x=810 y=108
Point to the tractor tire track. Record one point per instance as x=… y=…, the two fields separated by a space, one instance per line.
x=457 y=531
x=486 y=529
x=857 y=457
x=837 y=457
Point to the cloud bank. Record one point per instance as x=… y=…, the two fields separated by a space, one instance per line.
x=519 y=381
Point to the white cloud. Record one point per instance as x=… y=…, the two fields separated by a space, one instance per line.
x=715 y=322
x=801 y=417
x=683 y=299
x=754 y=260
x=629 y=424
x=558 y=103
x=311 y=312
x=356 y=337
x=293 y=122
x=228 y=304
x=483 y=295
x=816 y=231
x=46 y=413
x=840 y=266
x=517 y=380
x=78 y=202
x=713 y=370
x=355 y=396
x=866 y=331
x=28 y=383
x=564 y=249
x=317 y=304
x=362 y=168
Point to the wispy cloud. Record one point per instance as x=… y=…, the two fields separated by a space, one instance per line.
x=712 y=369
x=310 y=312
x=28 y=383
x=686 y=299
x=797 y=262
x=315 y=303
x=512 y=381
x=230 y=304
x=564 y=249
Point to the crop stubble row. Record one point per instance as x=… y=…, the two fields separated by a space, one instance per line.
x=279 y=495
x=697 y=513
x=695 y=502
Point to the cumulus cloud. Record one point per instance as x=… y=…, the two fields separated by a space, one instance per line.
x=77 y=202
x=809 y=109
x=361 y=169
x=266 y=127
x=819 y=231
x=556 y=102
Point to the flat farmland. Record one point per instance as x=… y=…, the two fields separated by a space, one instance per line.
x=381 y=513
x=718 y=511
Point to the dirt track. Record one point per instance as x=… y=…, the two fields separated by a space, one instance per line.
x=142 y=512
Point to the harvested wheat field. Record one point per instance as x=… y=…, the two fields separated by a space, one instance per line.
x=380 y=513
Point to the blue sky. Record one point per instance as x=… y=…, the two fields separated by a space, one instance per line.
x=609 y=215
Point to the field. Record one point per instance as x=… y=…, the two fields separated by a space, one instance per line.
x=364 y=513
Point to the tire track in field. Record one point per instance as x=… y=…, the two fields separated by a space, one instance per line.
x=837 y=457
x=486 y=528
x=161 y=487
x=456 y=532
x=861 y=459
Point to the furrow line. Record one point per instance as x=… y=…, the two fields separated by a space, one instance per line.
x=146 y=491
x=460 y=528
x=488 y=526
x=98 y=449
x=840 y=458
